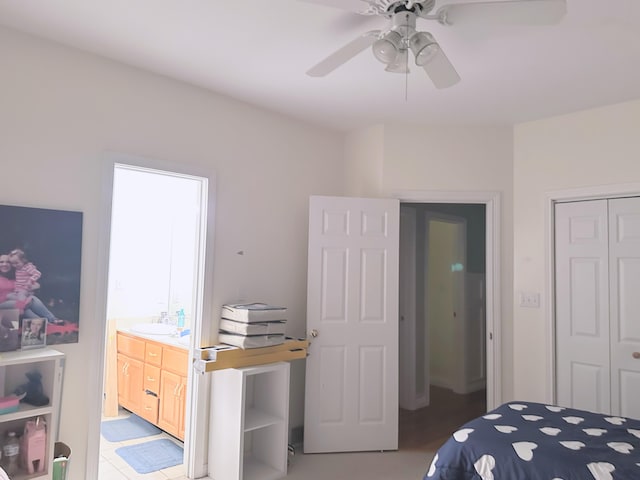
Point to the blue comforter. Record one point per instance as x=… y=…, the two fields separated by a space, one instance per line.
x=532 y=441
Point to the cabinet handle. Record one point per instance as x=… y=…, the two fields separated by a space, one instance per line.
x=175 y=390
x=151 y=379
x=151 y=354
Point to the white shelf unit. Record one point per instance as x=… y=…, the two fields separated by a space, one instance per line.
x=13 y=369
x=249 y=423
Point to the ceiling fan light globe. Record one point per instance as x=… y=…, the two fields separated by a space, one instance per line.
x=424 y=47
x=425 y=55
x=401 y=64
x=387 y=48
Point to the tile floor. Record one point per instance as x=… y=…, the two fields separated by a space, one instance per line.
x=113 y=467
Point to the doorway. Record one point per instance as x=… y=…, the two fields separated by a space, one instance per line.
x=152 y=295
x=443 y=368
x=182 y=224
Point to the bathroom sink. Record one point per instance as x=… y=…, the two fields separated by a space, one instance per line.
x=153 y=328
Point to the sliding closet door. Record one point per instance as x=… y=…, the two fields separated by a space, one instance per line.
x=582 y=306
x=624 y=268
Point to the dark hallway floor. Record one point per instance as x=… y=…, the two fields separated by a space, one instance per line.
x=429 y=427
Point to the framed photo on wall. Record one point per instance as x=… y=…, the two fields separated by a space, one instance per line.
x=40 y=260
x=34 y=333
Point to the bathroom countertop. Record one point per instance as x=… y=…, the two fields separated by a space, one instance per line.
x=165 y=339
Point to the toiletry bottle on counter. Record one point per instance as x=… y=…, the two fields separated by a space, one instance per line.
x=180 y=314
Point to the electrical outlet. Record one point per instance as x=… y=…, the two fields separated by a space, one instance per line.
x=530 y=299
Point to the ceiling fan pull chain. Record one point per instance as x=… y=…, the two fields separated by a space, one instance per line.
x=406 y=71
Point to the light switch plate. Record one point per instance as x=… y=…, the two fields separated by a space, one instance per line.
x=530 y=299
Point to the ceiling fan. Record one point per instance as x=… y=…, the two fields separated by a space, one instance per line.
x=393 y=45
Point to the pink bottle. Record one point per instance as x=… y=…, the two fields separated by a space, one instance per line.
x=34 y=442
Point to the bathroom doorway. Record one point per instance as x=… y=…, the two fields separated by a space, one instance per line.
x=155 y=296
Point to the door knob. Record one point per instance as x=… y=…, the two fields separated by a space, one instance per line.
x=635 y=355
x=314 y=333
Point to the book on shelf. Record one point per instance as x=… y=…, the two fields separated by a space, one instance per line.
x=250 y=341
x=253 y=312
x=276 y=327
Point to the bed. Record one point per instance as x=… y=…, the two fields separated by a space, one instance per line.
x=533 y=441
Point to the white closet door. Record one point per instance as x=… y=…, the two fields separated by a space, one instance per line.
x=624 y=268
x=582 y=306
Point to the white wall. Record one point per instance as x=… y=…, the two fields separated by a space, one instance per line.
x=62 y=109
x=436 y=158
x=364 y=150
x=586 y=149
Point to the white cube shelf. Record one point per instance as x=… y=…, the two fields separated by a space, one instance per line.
x=249 y=423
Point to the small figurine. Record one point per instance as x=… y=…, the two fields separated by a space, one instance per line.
x=32 y=390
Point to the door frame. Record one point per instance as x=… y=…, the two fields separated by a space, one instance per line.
x=198 y=393
x=493 y=336
x=408 y=397
x=596 y=192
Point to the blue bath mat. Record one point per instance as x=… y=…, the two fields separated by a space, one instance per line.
x=150 y=456
x=127 y=429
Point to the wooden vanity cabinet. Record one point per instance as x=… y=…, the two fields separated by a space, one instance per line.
x=152 y=381
x=130 y=372
x=173 y=385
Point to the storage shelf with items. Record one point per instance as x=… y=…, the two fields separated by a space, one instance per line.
x=37 y=374
x=249 y=420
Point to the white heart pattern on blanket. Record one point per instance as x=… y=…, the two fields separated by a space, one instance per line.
x=517 y=406
x=492 y=416
x=594 y=432
x=505 y=428
x=601 y=470
x=462 y=435
x=551 y=431
x=432 y=468
x=553 y=408
x=484 y=465
x=621 y=447
x=635 y=433
x=524 y=450
x=616 y=420
x=573 y=420
x=573 y=445
x=532 y=418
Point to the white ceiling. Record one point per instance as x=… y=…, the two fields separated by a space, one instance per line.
x=259 y=50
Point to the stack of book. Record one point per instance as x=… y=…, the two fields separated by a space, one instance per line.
x=252 y=325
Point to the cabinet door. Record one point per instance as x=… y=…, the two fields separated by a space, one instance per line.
x=171 y=410
x=153 y=354
x=150 y=408
x=151 y=378
x=130 y=346
x=130 y=383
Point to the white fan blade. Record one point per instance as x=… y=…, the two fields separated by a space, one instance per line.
x=344 y=54
x=512 y=12
x=363 y=7
x=441 y=71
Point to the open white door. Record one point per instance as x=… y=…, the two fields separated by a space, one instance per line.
x=351 y=399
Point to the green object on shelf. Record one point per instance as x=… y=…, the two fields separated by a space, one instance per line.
x=61 y=454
